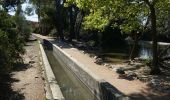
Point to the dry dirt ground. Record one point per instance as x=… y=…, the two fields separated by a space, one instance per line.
x=25 y=82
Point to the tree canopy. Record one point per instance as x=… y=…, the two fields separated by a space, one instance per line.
x=132 y=14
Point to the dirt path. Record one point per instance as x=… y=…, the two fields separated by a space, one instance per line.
x=28 y=84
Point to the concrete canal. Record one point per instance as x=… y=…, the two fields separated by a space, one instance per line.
x=71 y=87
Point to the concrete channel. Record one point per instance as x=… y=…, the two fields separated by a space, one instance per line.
x=101 y=89
x=53 y=91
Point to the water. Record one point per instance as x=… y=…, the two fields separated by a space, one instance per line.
x=71 y=87
x=145 y=51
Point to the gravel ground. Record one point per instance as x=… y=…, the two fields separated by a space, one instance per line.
x=30 y=82
x=25 y=82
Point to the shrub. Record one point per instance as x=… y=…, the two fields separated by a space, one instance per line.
x=11 y=44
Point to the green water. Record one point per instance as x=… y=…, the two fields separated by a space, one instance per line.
x=71 y=87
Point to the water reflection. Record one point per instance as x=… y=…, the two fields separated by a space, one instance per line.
x=145 y=51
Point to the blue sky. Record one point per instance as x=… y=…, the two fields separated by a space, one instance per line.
x=33 y=17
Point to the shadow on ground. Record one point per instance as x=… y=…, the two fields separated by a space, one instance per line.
x=6 y=92
x=149 y=96
x=6 y=80
x=20 y=67
x=112 y=93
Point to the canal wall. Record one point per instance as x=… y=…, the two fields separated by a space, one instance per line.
x=82 y=73
x=101 y=89
x=52 y=89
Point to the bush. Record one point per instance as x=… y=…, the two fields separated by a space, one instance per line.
x=23 y=28
x=11 y=44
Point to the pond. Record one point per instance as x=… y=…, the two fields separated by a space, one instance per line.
x=143 y=51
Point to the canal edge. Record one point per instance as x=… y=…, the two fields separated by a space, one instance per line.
x=52 y=89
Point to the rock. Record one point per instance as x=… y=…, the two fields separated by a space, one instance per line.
x=95 y=57
x=36 y=77
x=83 y=52
x=112 y=66
x=160 y=86
x=154 y=82
x=166 y=89
x=143 y=78
x=125 y=76
x=99 y=61
x=31 y=62
x=106 y=65
x=61 y=47
x=132 y=74
x=119 y=70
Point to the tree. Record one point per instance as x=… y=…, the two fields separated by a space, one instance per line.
x=51 y=16
x=11 y=45
x=151 y=5
x=22 y=26
x=11 y=41
x=59 y=18
x=128 y=15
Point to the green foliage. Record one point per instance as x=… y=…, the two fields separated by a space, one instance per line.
x=46 y=14
x=11 y=46
x=22 y=26
x=163 y=17
x=91 y=43
x=102 y=13
x=128 y=15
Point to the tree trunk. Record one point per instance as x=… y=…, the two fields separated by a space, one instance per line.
x=39 y=18
x=155 y=68
x=59 y=23
x=131 y=57
x=78 y=23
x=71 y=26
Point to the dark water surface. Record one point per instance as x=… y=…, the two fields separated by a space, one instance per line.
x=142 y=50
x=71 y=87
